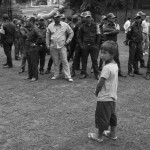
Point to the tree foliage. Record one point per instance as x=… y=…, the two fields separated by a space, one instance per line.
x=100 y=6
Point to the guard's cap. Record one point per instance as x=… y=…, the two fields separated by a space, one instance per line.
x=137 y=16
x=141 y=13
x=63 y=16
x=87 y=14
x=57 y=14
x=111 y=16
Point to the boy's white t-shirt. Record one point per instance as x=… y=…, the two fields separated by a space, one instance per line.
x=109 y=90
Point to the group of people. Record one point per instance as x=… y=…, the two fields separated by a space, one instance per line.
x=73 y=37
x=137 y=37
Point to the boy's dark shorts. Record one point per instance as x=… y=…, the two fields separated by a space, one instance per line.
x=105 y=115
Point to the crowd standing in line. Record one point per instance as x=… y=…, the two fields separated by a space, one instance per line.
x=72 y=37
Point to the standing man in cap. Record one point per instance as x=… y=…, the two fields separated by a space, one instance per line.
x=73 y=41
x=135 y=45
x=144 y=30
x=42 y=46
x=8 y=39
x=103 y=21
x=57 y=40
x=33 y=39
x=88 y=38
x=78 y=53
x=110 y=30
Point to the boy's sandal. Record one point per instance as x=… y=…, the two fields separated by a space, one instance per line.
x=107 y=134
x=94 y=137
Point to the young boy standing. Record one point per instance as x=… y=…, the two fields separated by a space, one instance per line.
x=106 y=94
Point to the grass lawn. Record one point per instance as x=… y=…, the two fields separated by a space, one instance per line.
x=57 y=115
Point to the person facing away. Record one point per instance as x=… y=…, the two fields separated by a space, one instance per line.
x=8 y=39
x=135 y=46
x=106 y=95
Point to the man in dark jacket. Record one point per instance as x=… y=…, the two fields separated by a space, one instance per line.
x=88 y=38
x=77 y=55
x=33 y=39
x=8 y=39
x=135 y=46
x=111 y=30
x=42 y=45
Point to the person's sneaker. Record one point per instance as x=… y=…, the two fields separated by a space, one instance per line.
x=42 y=72
x=131 y=74
x=92 y=70
x=70 y=80
x=27 y=78
x=146 y=53
x=54 y=78
x=5 y=64
x=47 y=72
x=33 y=79
x=121 y=74
x=83 y=76
x=138 y=73
x=97 y=77
x=21 y=71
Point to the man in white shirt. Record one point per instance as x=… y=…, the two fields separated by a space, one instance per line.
x=145 y=26
x=58 y=35
x=127 y=25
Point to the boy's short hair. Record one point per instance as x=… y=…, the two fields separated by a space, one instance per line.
x=110 y=46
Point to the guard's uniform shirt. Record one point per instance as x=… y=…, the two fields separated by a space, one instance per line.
x=10 y=31
x=107 y=28
x=88 y=34
x=42 y=31
x=33 y=37
x=135 y=33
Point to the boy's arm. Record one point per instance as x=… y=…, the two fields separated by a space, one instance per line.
x=99 y=86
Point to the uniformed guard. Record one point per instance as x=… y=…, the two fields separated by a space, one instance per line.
x=73 y=42
x=88 y=38
x=8 y=38
x=42 y=46
x=135 y=46
x=111 y=30
x=33 y=40
x=78 y=54
x=24 y=32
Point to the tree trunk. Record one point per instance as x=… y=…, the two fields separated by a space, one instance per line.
x=131 y=8
x=136 y=4
x=126 y=10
